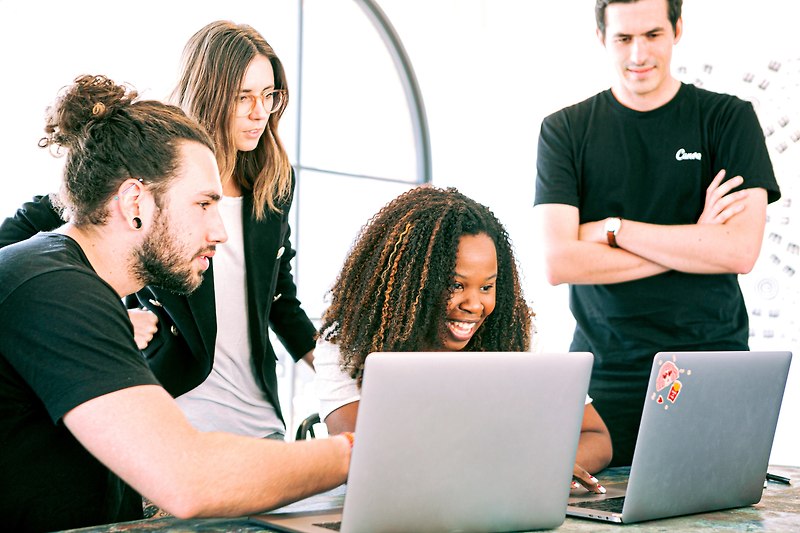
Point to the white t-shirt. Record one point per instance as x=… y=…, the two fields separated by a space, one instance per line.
x=230 y=399
x=334 y=387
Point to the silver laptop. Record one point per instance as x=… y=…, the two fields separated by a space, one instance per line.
x=705 y=437
x=455 y=441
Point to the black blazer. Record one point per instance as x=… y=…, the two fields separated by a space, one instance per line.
x=181 y=353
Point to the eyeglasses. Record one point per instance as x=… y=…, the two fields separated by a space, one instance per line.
x=271 y=101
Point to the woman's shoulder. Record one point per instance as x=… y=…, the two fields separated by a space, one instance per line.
x=326 y=353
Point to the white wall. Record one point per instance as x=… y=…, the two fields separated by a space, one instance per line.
x=490 y=70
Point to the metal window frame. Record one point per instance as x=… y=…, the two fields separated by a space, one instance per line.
x=411 y=89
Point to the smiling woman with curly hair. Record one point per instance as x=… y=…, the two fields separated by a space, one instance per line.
x=410 y=295
x=433 y=270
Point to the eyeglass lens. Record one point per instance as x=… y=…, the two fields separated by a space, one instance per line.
x=270 y=101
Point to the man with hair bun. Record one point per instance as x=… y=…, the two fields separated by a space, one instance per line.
x=213 y=351
x=85 y=426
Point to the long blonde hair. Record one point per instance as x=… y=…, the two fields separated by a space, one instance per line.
x=212 y=68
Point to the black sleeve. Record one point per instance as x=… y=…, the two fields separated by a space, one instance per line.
x=80 y=349
x=41 y=215
x=30 y=219
x=556 y=164
x=178 y=367
x=287 y=319
x=741 y=149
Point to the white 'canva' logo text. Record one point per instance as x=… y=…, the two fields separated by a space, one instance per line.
x=683 y=155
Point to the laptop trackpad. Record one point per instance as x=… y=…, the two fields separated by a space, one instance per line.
x=612 y=491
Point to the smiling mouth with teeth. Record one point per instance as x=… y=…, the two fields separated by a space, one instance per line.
x=462 y=330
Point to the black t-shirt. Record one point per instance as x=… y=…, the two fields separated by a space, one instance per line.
x=65 y=338
x=609 y=160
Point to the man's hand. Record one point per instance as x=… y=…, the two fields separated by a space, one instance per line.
x=721 y=204
x=145 y=325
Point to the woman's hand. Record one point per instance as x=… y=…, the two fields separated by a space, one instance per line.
x=581 y=477
x=145 y=325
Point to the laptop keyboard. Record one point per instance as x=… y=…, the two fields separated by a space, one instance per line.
x=612 y=505
x=333 y=526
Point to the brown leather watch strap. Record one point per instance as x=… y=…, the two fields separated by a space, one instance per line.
x=612 y=227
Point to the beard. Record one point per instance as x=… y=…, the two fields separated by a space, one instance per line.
x=162 y=260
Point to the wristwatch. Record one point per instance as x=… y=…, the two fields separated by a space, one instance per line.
x=612 y=227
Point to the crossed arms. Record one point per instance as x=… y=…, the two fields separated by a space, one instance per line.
x=726 y=239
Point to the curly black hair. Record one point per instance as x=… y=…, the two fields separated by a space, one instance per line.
x=392 y=292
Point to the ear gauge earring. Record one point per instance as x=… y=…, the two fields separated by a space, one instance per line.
x=137 y=223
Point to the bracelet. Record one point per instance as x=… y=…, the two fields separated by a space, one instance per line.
x=350 y=437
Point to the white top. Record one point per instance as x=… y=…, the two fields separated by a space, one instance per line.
x=230 y=399
x=334 y=387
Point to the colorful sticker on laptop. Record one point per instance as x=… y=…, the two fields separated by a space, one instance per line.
x=674 y=391
x=668 y=374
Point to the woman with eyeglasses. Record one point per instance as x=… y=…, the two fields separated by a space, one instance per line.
x=233 y=83
x=212 y=349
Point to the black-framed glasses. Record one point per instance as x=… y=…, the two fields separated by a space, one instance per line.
x=271 y=101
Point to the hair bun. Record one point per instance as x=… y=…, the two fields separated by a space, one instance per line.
x=98 y=109
x=88 y=100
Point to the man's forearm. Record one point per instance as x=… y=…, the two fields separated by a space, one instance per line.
x=141 y=435
x=591 y=263
x=577 y=256
x=698 y=249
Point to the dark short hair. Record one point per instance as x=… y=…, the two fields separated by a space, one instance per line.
x=673 y=8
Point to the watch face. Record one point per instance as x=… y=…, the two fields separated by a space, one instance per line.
x=613 y=224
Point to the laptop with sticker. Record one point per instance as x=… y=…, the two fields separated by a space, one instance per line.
x=449 y=441
x=705 y=438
